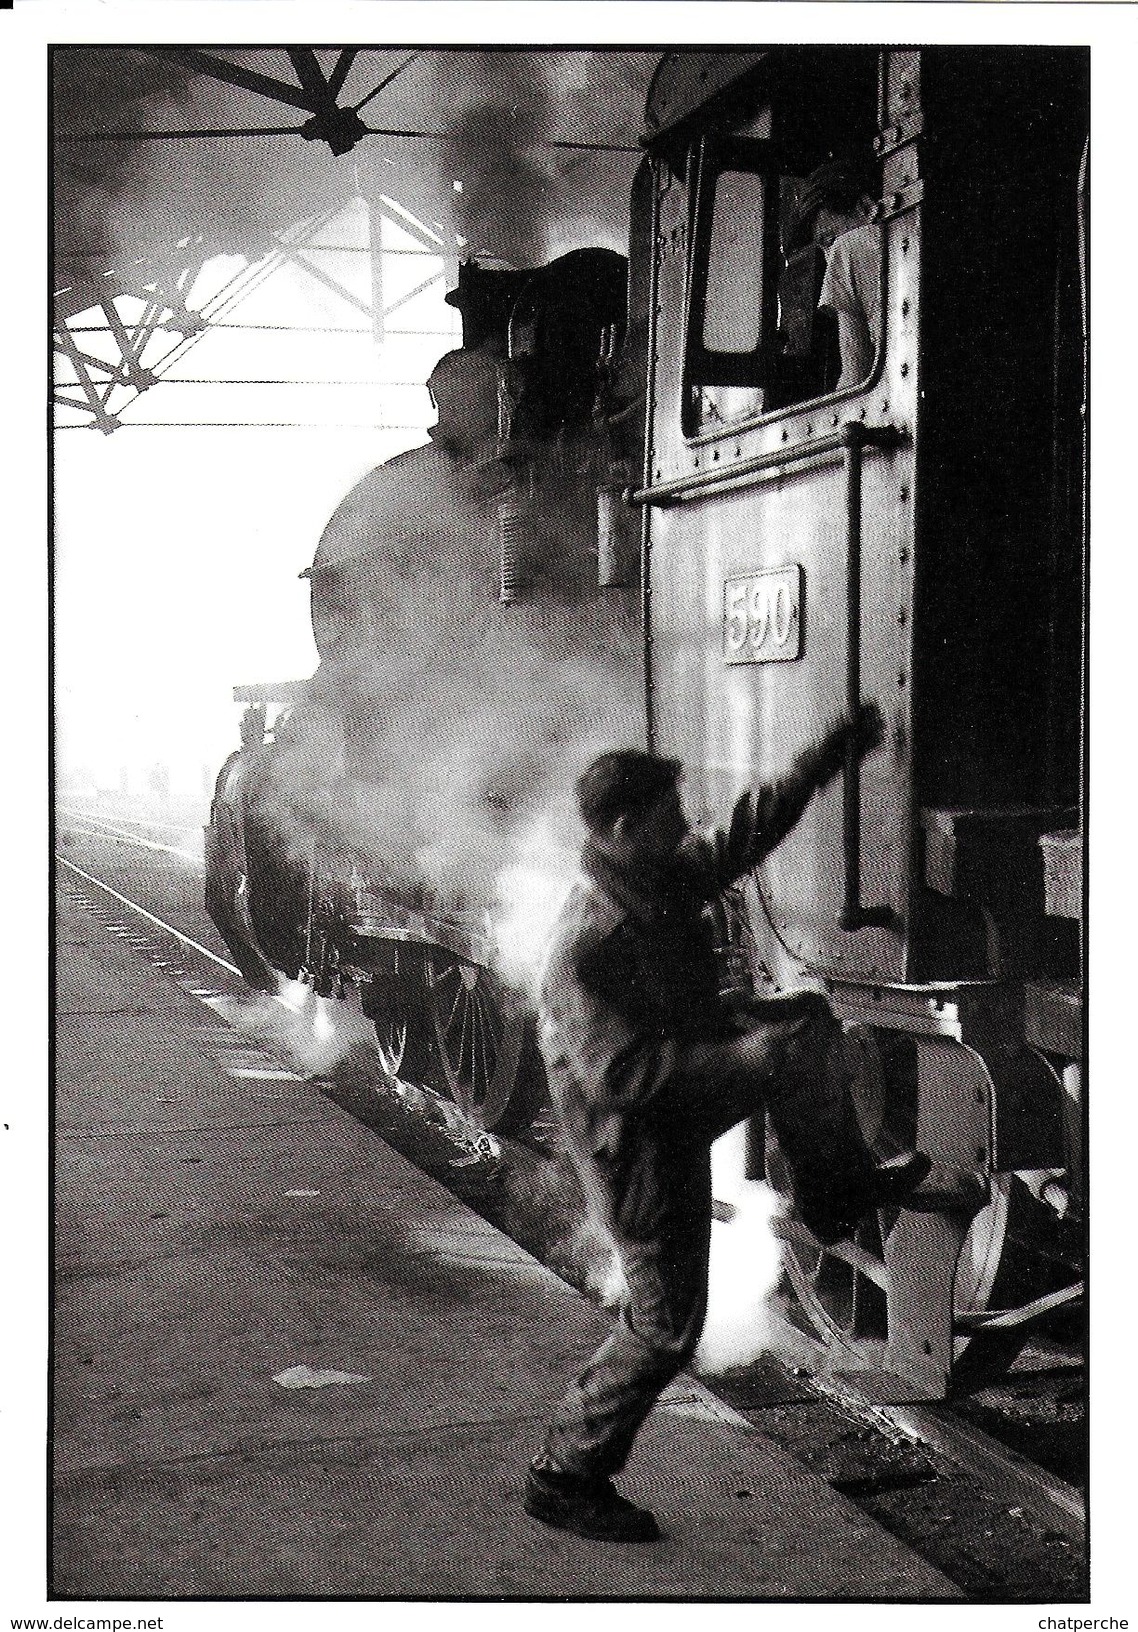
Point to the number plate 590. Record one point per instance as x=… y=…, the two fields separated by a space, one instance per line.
x=762 y=617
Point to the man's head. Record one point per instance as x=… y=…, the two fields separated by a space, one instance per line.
x=631 y=802
x=835 y=198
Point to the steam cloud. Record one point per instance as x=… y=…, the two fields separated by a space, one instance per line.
x=495 y=113
x=443 y=733
x=472 y=721
x=745 y=1271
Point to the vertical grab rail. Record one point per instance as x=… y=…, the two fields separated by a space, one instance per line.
x=855 y=437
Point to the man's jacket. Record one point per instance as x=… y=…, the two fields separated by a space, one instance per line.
x=631 y=978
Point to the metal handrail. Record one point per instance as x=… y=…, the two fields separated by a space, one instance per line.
x=723 y=479
x=854 y=438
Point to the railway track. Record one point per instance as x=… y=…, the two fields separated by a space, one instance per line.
x=120 y=828
x=1052 y=1501
x=948 y=1478
x=995 y=1522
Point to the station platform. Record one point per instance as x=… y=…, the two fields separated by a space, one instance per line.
x=220 y=1224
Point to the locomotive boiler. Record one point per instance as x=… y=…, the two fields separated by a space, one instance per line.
x=833 y=449
x=475 y=607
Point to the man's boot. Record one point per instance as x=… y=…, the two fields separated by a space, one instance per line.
x=832 y=1212
x=837 y=1179
x=592 y=1508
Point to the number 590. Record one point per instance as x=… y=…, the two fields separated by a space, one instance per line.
x=762 y=618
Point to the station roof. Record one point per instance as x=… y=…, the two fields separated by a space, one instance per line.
x=171 y=159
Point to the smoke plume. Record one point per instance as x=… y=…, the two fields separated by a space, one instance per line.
x=124 y=200
x=484 y=123
x=100 y=184
x=741 y=1322
x=514 y=193
x=442 y=734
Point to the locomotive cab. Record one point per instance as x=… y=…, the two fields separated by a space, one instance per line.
x=895 y=515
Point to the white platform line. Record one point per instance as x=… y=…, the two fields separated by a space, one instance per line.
x=263 y=1075
x=98 y=826
x=132 y=821
x=168 y=929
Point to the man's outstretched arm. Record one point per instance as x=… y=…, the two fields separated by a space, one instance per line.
x=764 y=816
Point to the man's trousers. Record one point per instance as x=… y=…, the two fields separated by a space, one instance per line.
x=790 y=1064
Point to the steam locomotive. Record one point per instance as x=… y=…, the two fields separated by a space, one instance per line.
x=778 y=524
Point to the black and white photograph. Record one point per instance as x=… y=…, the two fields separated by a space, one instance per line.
x=566 y=542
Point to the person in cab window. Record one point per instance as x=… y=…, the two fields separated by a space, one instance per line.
x=834 y=213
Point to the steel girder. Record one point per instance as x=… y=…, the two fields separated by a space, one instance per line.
x=103 y=377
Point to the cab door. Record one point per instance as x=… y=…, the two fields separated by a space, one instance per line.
x=780 y=532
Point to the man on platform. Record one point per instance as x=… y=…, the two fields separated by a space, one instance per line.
x=647 y=1067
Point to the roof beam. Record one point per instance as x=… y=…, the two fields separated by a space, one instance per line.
x=311 y=77
x=233 y=73
x=341 y=70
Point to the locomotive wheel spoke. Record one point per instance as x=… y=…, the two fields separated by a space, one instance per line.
x=391 y=1043
x=466 y=1008
x=478 y=1040
x=393 y=1000
x=482 y=1045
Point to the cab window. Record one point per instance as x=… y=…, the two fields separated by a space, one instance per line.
x=733 y=304
x=785 y=274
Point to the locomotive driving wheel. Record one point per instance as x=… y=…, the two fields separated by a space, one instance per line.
x=843 y=1290
x=393 y=1001
x=478 y=1037
x=391 y=1045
